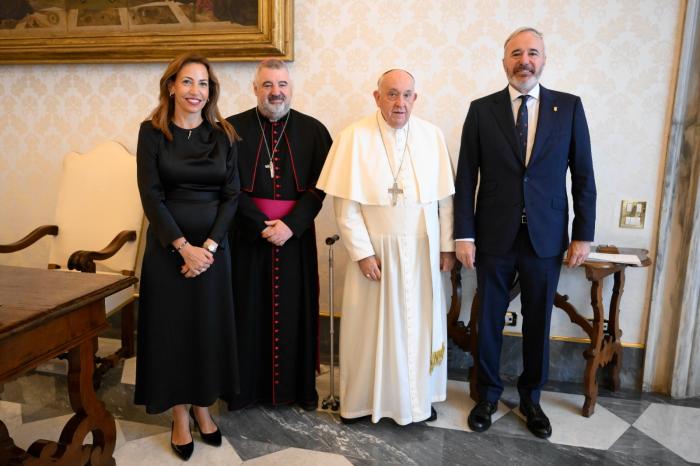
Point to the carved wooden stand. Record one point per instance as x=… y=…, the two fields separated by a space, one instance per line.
x=605 y=349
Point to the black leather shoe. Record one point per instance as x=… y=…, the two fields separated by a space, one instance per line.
x=537 y=421
x=212 y=438
x=353 y=420
x=433 y=415
x=182 y=451
x=309 y=405
x=479 y=419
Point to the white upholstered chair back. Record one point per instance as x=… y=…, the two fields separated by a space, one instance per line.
x=98 y=197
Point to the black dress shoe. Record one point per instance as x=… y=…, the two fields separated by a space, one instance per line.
x=433 y=415
x=353 y=420
x=479 y=419
x=309 y=405
x=537 y=421
x=182 y=451
x=212 y=438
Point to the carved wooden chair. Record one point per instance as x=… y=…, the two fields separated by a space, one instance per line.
x=98 y=222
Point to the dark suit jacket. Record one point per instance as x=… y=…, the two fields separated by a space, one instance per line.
x=489 y=149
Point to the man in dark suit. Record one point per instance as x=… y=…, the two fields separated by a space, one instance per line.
x=519 y=143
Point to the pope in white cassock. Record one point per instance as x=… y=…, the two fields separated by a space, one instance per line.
x=392 y=183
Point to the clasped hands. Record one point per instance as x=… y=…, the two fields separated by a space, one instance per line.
x=277 y=232
x=197 y=259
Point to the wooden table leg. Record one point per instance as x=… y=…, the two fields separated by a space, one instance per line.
x=615 y=334
x=594 y=352
x=91 y=416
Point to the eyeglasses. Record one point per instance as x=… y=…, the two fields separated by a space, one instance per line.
x=394 y=95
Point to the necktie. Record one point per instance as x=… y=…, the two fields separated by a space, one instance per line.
x=521 y=125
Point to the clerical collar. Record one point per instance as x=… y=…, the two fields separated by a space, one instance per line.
x=266 y=118
x=515 y=94
x=386 y=128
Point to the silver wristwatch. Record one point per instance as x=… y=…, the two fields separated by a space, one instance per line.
x=212 y=248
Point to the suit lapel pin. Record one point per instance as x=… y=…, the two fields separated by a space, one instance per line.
x=555 y=109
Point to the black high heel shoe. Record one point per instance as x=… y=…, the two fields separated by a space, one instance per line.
x=182 y=451
x=212 y=438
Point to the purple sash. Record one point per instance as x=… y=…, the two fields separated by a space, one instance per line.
x=273 y=209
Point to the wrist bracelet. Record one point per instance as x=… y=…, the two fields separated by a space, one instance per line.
x=184 y=243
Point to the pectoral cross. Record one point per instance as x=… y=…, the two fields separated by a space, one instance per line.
x=394 y=191
x=271 y=167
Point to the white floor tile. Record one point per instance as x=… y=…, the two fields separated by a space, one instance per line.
x=675 y=427
x=299 y=457
x=453 y=412
x=129 y=371
x=138 y=430
x=49 y=429
x=11 y=414
x=156 y=451
x=569 y=427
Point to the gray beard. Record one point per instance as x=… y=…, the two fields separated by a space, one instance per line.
x=274 y=112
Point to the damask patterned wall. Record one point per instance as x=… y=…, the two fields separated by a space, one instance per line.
x=619 y=56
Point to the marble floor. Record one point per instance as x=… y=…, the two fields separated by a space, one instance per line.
x=627 y=428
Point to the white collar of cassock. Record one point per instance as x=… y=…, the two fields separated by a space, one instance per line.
x=357 y=158
x=395 y=137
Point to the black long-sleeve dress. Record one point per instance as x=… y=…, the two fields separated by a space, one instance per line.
x=186 y=349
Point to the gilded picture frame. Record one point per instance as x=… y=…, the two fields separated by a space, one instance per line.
x=123 y=31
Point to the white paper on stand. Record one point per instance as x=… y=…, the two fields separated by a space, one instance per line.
x=631 y=259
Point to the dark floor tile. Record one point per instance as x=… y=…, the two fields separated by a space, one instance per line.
x=31 y=413
x=249 y=449
x=627 y=410
x=511 y=426
x=638 y=445
x=36 y=388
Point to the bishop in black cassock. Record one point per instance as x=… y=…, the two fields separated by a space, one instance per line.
x=275 y=265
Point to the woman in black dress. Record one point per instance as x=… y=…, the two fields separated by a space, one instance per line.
x=188 y=180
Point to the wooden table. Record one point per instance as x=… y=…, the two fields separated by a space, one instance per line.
x=605 y=349
x=45 y=313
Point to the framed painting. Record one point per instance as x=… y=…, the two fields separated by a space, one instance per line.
x=118 y=31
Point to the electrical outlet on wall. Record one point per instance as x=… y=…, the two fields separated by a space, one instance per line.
x=632 y=214
x=605 y=325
